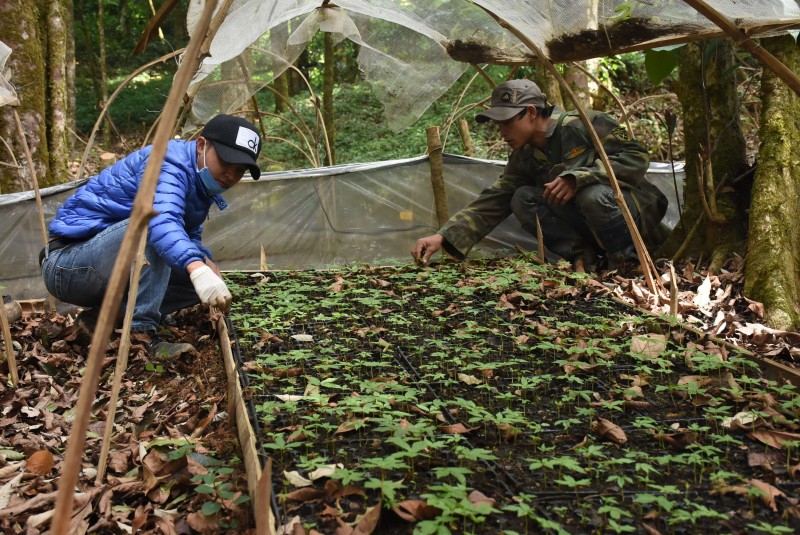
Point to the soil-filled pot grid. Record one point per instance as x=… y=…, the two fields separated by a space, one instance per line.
x=495 y=397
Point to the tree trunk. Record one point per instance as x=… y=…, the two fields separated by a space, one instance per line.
x=69 y=18
x=328 y=80
x=20 y=30
x=58 y=100
x=101 y=45
x=773 y=258
x=549 y=86
x=712 y=128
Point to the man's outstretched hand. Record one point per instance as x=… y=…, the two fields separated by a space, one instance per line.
x=210 y=288
x=426 y=247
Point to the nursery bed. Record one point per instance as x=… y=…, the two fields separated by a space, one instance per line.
x=500 y=397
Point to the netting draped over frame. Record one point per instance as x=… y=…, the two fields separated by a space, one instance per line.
x=408 y=48
x=7 y=93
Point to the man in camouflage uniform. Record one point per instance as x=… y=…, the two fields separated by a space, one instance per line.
x=555 y=172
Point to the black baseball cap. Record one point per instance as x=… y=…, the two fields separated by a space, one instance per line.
x=510 y=97
x=236 y=140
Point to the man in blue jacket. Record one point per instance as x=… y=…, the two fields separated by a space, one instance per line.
x=88 y=229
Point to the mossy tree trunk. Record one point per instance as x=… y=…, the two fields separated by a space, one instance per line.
x=20 y=29
x=772 y=271
x=58 y=102
x=713 y=134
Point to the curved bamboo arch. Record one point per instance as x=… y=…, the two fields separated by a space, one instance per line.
x=111 y=99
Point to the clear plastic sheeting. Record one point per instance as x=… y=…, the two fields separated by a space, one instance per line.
x=7 y=93
x=407 y=49
x=309 y=218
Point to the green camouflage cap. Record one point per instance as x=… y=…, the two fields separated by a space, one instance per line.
x=510 y=97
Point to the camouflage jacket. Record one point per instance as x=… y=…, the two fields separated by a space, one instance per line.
x=530 y=166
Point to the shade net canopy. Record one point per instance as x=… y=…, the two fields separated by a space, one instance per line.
x=310 y=218
x=413 y=51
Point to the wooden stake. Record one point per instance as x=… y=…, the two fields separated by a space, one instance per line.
x=746 y=42
x=466 y=139
x=39 y=209
x=648 y=268
x=673 y=292
x=12 y=359
x=122 y=359
x=437 y=179
x=140 y=215
x=540 y=240
x=262 y=502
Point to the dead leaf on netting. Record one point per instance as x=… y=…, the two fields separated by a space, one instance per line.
x=768 y=493
x=476 y=497
x=456 y=429
x=367 y=523
x=296 y=479
x=650 y=345
x=350 y=425
x=773 y=438
x=764 y=458
x=40 y=463
x=338 y=285
x=469 y=379
x=677 y=441
x=508 y=431
x=607 y=430
x=415 y=510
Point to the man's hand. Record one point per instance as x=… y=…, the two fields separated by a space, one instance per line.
x=210 y=263
x=560 y=190
x=426 y=247
x=210 y=288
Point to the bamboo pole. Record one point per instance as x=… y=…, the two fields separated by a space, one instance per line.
x=466 y=139
x=12 y=359
x=648 y=268
x=437 y=178
x=122 y=359
x=140 y=215
x=747 y=42
x=35 y=182
x=111 y=99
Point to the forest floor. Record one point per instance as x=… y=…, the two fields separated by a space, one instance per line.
x=175 y=464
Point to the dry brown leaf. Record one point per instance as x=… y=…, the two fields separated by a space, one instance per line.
x=774 y=438
x=475 y=497
x=415 y=510
x=606 y=430
x=769 y=493
x=456 y=429
x=369 y=521
x=650 y=345
x=40 y=463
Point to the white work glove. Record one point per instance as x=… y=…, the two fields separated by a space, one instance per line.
x=210 y=288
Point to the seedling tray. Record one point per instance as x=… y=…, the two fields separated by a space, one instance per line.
x=499 y=397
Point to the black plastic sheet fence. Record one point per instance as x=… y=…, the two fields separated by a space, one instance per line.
x=308 y=218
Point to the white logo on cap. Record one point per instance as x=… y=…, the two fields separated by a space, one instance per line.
x=248 y=139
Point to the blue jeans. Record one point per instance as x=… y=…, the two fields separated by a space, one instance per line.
x=589 y=224
x=79 y=274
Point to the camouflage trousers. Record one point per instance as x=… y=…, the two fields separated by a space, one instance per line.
x=590 y=225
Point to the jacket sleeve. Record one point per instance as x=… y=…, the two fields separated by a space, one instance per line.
x=629 y=159
x=168 y=233
x=469 y=225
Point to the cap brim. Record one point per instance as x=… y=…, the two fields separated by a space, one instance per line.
x=231 y=155
x=499 y=113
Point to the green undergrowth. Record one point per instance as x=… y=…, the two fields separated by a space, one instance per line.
x=500 y=396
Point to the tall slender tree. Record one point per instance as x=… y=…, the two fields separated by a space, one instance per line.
x=773 y=259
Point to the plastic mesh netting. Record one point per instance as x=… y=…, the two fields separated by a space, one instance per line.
x=407 y=48
x=307 y=218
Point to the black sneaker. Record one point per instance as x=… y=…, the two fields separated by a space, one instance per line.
x=162 y=350
x=86 y=321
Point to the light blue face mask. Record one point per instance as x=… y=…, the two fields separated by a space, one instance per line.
x=212 y=186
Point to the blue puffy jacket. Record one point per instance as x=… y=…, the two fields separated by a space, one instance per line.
x=181 y=203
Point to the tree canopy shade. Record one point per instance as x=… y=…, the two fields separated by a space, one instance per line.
x=407 y=48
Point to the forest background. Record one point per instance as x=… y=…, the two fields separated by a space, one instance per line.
x=707 y=103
